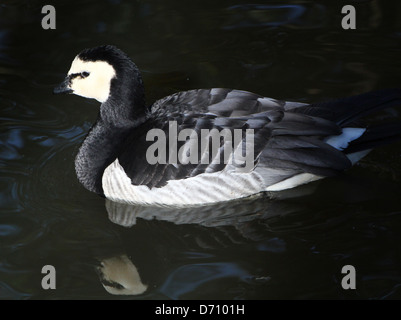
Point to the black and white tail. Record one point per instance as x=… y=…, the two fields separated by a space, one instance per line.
x=359 y=138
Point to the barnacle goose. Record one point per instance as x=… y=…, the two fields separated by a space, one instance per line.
x=293 y=143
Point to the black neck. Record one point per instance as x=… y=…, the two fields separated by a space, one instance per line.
x=123 y=111
x=126 y=102
x=95 y=154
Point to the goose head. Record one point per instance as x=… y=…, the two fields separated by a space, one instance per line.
x=106 y=74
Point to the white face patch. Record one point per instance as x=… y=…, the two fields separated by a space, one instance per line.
x=96 y=80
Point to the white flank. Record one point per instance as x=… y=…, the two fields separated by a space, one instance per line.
x=342 y=140
x=293 y=182
x=202 y=189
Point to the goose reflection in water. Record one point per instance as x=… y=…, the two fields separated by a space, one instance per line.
x=119 y=275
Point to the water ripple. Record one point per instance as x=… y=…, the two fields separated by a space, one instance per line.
x=259 y=15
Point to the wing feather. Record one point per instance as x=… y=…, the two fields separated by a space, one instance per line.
x=285 y=142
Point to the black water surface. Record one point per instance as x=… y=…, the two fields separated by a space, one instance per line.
x=288 y=248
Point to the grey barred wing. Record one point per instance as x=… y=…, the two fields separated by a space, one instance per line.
x=194 y=127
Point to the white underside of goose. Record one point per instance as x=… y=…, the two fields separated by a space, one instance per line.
x=198 y=190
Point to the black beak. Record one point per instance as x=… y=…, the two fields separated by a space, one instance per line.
x=63 y=87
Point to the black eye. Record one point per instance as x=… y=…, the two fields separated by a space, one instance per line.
x=84 y=74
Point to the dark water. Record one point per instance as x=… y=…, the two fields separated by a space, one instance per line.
x=291 y=247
